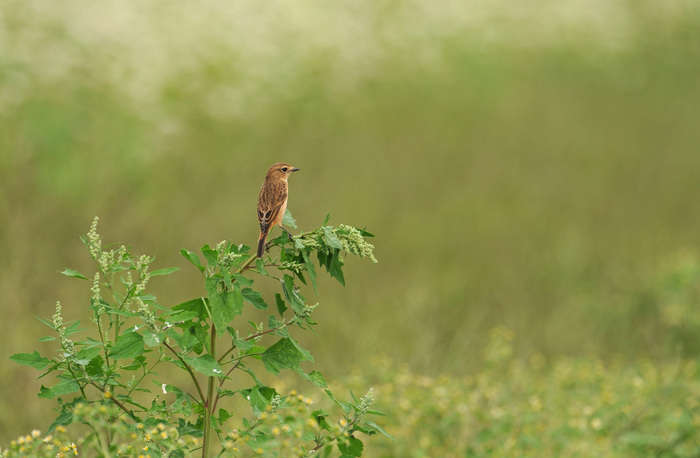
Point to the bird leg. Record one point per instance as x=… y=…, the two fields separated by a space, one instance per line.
x=289 y=235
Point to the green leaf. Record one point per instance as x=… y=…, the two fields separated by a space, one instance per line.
x=281 y=306
x=336 y=268
x=128 y=345
x=288 y=220
x=63 y=387
x=85 y=355
x=166 y=271
x=223 y=416
x=378 y=429
x=255 y=298
x=31 y=359
x=331 y=239
x=136 y=364
x=45 y=321
x=257 y=400
x=210 y=254
x=225 y=305
x=95 y=368
x=73 y=273
x=205 y=364
x=347 y=408
x=243 y=345
x=317 y=379
x=193 y=258
x=243 y=280
x=65 y=418
x=285 y=354
x=311 y=270
x=364 y=233
x=325 y=221
x=73 y=328
x=180 y=316
x=152 y=339
x=46 y=339
x=353 y=447
x=260 y=267
x=185 y=340
x=291 y=295
x=198 y=305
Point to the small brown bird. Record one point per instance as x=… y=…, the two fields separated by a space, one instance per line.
x=272 y=202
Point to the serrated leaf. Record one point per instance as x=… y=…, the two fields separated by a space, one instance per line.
x=205 y=364
x=281 y=306
x=243 y=280
x=336 y=267
x=317 y=379
x=331 y=239
x=260 y=266
x=353 y=447
x=284 y=354
x=65 y=418
x=180 y=316
x=85 y=355
x=136 y=364
x=165 y=271
x=223 y=416
x=210 y=254
x=73 y=273
x=291 y=295
x=198 y=305
x=225 y=305
x=95 y=367
x=128 y=345
x=63 y=387
x=31 y=359
x=255 y=298
x=192 y=258
x=311 y=270
x=152 y=339
x=243 y=345
x=257 y=400
x=288 y=220
x=185 y=340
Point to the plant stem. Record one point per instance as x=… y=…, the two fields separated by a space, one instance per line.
x=189 y=369
x=247 y=263
x=210 y=401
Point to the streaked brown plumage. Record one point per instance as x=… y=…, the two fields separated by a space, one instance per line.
x=272 y=202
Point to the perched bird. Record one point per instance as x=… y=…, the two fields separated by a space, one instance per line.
x=272 y=202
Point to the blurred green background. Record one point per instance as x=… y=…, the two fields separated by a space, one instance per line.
x=528 y=164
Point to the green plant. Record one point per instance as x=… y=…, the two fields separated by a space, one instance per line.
x=110 y=370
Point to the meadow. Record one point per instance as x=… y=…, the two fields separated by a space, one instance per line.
x=529 y=168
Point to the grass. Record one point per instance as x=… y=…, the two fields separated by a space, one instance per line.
x=532 y=166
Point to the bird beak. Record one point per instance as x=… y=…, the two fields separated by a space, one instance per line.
x=295 y=169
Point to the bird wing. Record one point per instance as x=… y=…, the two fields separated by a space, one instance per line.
x=272 y=196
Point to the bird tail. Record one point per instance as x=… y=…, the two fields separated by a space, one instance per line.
x=261 y=243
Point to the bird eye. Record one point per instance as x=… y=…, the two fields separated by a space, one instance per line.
x=284 y=169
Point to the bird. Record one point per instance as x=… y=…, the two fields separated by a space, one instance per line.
x=272 y=202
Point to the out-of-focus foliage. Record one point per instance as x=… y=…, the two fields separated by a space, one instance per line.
x=532 y=164
x=566 y=407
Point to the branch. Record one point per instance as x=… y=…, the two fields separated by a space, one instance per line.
x=114 y=400
x=189 y=369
